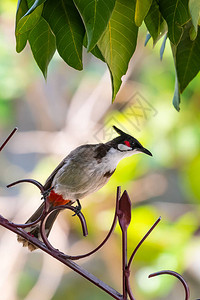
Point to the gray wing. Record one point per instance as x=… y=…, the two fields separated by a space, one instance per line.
x=49 y=180
x=73 y=170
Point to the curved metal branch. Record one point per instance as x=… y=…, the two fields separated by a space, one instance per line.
x=128 y=286
x=142 y=240
x=41 y=188
x=175 y=274
x=43 y=217
x=8 y=138
x=33 y=181
x=29 y=224
x=43 y=222
x=69 y=263
x=76 y=257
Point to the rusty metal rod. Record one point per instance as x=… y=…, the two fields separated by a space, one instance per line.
x=142 y=240
x=76 y=257
x=8 y=138
x=177 y=275
x=78 y=269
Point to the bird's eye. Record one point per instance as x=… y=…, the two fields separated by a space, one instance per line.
x=127 y=143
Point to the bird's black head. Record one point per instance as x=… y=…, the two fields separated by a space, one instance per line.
x=126 y=143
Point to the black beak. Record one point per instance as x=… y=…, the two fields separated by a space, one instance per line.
x=146 y=151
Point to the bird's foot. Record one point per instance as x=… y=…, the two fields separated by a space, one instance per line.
x=46 y=193
x=77 y=209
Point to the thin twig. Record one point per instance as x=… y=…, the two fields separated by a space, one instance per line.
x=8 y=138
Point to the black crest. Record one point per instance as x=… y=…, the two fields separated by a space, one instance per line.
x=119 y=131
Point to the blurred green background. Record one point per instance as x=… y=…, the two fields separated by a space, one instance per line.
x=73 y=108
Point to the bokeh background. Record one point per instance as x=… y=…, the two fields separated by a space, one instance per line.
x=72 y=108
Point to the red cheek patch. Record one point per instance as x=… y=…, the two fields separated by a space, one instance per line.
x=127 y=143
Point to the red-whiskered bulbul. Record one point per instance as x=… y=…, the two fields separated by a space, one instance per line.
x=85 y=170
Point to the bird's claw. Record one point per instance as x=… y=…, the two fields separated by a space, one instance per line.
x=77 y=209
x=46 y=193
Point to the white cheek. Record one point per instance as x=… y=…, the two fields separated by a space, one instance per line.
x=123 y=147
x=132 y=152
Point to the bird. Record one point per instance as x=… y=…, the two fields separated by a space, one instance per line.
x=83 y=171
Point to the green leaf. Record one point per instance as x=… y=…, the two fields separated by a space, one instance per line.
x=95 y=51
x=148 y=37
x=154 y=22
x=118 y=42
x=176 y=99
x=162 y=48
x=34 y=6
x=187 y=58
x=95 y=15
x=30 y=3
x=194 y=7
x=193 y=33
x=22 y=8
x=68 y=28
x=26 y=23
x=176 y=14
x=141 y=10
x=43 y=44
x=21 y=39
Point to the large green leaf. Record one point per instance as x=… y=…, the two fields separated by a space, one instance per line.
x=141 y=10
x=95 y=15
x=68 y=28
x=21 y=38
x=26 y=23
x=34 y=6
x=22 y=8
x=118 y=42
x=95 y=51
x=176 y=98
x=176 y=15
x=162 y=48
x=194 y=7
x=148 y=37
x=154 y=22
x=43 y=44
x=187 y=58
x=30 y=3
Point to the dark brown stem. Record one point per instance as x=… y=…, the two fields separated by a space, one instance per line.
x=5 y=223
x=109 y=233
x=175 y=274
x=124 y=262
x=47 y=214
x=142 y=240
x=33 y=181
x=128 y=286
x=8 y=138
x=124 y=217
x=127 y=273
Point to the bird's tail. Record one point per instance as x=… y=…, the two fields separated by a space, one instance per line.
x=35 y=229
